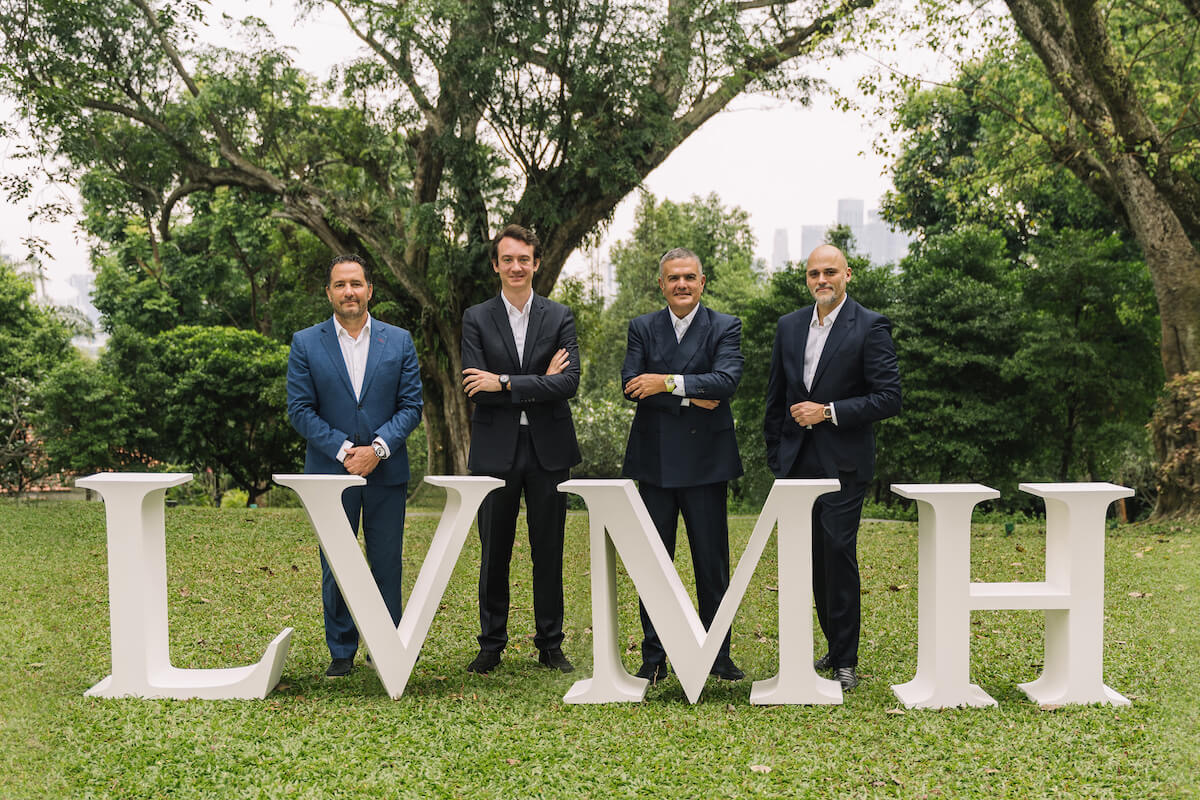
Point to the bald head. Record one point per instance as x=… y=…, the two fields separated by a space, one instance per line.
x=827 y=253
x=827 y=274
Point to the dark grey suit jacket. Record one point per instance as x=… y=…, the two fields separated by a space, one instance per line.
x=488 y=344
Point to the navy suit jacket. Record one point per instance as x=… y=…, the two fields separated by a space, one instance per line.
x=488 y=344
x=858 y=373
x=322 y=406
x=670 y=444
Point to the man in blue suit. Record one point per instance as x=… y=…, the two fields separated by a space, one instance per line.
x=682 y=365
x=833 y=374
x=354 y=393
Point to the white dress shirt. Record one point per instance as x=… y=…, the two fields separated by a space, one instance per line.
x=354 y=353
x=518 y=321
x=818 y=334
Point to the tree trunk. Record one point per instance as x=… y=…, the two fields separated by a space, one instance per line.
x=1174 y=266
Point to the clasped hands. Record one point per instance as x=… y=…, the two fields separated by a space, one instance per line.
x=647 y=384
x=361 y=460
x=479 y=380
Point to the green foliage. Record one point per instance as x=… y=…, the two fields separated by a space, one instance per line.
x=231 y=263
x=217 y=396
x=236 y=579
x=32 y=340
x=602 y=426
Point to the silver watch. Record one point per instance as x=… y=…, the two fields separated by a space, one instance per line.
x=380 y=452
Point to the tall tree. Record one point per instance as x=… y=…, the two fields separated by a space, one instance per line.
x=1113 y=99
x=467 y=113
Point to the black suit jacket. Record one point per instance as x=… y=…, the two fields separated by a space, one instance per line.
x=672 y=445
x=488 y=344
x=858 y=373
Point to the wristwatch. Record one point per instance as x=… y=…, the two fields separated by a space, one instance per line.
x=827 y=411
x=380 y=452
x=670 y=383
x=504 y=382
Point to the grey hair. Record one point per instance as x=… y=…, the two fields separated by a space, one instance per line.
x=680 y=254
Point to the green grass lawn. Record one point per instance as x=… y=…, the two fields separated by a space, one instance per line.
x=237 y=577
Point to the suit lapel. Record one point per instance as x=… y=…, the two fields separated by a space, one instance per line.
x=374 y=353
x=334 y=351
x=537 y=313
x=841 y=327
x=499 y=314
x=662 y=334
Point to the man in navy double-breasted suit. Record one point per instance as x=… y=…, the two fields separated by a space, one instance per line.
x=682 y=366
x=833 y=374
x=354 y=393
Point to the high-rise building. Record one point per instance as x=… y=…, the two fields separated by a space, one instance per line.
x=779 y=256
x=850 y=214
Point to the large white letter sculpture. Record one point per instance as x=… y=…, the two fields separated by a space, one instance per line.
x=1072 y=595
x=619 y=519
x=137 y=599
x=393 y=649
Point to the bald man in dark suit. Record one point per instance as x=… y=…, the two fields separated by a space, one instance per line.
x=833 y=374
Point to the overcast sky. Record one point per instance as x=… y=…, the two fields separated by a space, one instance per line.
x=785 y=164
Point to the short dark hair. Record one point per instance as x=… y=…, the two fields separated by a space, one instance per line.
x=351 y=258
x=521 y=234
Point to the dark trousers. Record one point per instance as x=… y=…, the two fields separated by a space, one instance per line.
x=546 y=516
x=835 y=519
x=704 y=517
x=381 y=509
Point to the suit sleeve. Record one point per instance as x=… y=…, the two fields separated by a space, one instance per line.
x=543 y=388
x=473 y=357
x=722 y=381
x=408 y=398
x=881 y=371
x=776 y=402
x=302 y=403
x=635 y=364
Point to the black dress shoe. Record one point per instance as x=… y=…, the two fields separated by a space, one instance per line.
x=339 y=668
x=555 y=659
x=653 y=671
x=823 y=663
x=485 y=662
x=846 y=677
x=726 y=670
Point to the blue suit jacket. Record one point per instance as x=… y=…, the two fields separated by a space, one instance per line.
x=670 y=444
x=322 y=406
x=858 y=373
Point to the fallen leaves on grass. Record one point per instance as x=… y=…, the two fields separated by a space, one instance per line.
x=763 y=768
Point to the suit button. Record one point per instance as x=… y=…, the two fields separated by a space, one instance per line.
x=360 y=406
x=693 y=431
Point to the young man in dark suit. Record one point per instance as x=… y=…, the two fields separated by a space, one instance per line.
x=682 y=365
x=833 y=374
x=520 y=366
x=354 y=393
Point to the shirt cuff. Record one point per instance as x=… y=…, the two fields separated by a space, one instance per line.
x=679 y=390
x=833 y=413
x=387 y=451
x=344 y=451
